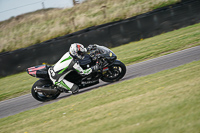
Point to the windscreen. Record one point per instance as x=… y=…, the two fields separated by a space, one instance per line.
x=104 y=50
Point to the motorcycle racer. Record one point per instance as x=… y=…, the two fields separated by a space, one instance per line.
x=67 y=63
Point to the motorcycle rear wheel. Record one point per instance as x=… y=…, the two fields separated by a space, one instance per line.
x=40 y=96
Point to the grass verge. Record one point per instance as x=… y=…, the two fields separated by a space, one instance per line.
x=165 y=102
x=16 y=85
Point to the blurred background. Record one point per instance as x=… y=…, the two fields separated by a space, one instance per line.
x=12 y=8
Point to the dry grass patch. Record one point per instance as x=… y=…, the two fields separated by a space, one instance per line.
x=32 y=28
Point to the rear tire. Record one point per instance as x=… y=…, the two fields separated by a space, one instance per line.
x=42 y=96
x=115 y=72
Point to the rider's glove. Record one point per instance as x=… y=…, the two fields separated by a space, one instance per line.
x=91 y=47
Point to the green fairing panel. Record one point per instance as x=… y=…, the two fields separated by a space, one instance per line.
x=66 y=59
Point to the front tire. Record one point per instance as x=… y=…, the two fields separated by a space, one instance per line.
x=115 y=72
x=42 y=96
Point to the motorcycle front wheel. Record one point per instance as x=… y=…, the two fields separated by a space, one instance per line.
x=115 y=72
x=41 y=96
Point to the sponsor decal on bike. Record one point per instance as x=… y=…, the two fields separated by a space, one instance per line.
x=89 y=82
x=105 y=69
x=110 y=54
x=32 y=70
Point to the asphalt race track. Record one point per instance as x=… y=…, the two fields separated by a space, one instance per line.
x=27 y=102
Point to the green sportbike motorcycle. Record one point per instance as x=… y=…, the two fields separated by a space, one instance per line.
x=111 y=70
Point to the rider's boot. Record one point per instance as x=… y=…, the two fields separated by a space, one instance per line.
x=68 y=86
x=74 y=89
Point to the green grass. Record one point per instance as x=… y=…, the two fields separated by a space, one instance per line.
x=165 y=102
x=29 y=29
x=16 y=85
x=159 y=45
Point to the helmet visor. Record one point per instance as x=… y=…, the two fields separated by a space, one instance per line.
x=81 y=54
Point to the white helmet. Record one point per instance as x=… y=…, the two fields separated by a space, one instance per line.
x=77 y=50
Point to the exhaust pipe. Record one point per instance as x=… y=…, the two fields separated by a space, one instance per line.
x=47 y=90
